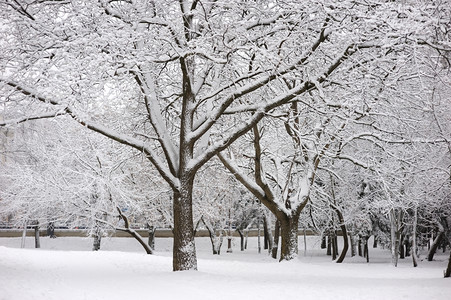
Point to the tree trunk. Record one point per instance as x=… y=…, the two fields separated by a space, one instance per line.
x=366 y=252
x=396 y=217
x=216 y=242
x=275 y=245
x=258 y=237
x=447 y=273
x=353 y=244
x=414 y=238
x=375 y=242
x=345 y=244
x=184 y=248
x=37 y=241
x=323 y=241
x=407 y=245
x=151 y=239
x=51 y=230
x=240 y=232
x=246 y=235
x=435 y=245
x=359 y=246
x=329 y=245
x=401 y=248
x=229 y=244
x=265 y=234
x=289 y=233
x=136 y=235
x=344 y=232
x=24 y=235
x=147 y=247
x=97 y=240
x=334 y=245
x=268 y=233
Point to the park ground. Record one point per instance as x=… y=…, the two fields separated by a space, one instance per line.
x=65 y=268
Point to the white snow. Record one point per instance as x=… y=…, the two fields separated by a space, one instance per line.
x=121 y=270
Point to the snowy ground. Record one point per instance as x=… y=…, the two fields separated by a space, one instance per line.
x=121 y=270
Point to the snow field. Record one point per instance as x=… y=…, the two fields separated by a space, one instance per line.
x=65 y=268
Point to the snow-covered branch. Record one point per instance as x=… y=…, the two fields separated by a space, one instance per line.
x=108 y=132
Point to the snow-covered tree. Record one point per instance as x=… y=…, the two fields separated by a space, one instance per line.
x=180 y=81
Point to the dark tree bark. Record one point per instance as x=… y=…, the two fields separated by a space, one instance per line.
x=437 y=241
x=375 y=242
x=323 y=241
x=401 y=248
x=133 y=232
x=151 y=239
x=447 y=273
x=366 y=252
x=407 y=246
x=51 y=230
x=275 y=245
x=97 y=240
x=246 y=235
x=265 y=234
x=216 y=242
x=37 y=241
x=329 y=245
x=344 y=232
x=359 y=245
x=289 y=234
x=334 y=245
x=259 y=248
x=240 y=232
x=353 y=244
x=184 y=248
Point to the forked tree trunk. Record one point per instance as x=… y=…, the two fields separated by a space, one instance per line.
x=135 y=234
x=216 y=241
x=184 y=249
x=289 y=233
